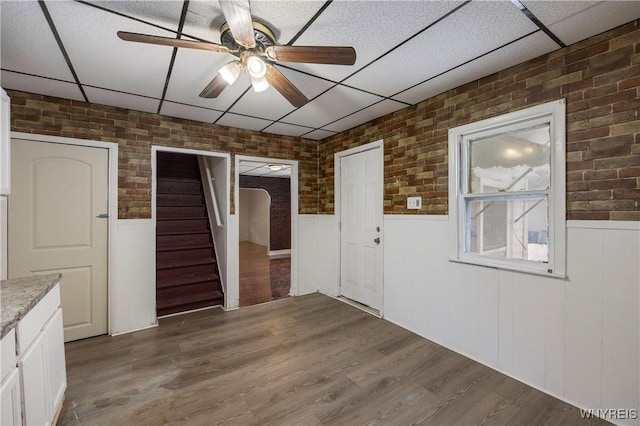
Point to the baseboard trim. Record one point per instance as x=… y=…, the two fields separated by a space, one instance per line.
x=279 y=254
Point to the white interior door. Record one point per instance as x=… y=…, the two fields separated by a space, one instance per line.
x=360 y=229
x=58 y=191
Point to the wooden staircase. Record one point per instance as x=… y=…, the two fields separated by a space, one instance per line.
x=186 y=268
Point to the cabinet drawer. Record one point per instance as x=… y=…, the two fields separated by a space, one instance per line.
x=30 y=326
x=8 y=354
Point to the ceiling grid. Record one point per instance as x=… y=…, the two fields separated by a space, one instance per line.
x=406 y=52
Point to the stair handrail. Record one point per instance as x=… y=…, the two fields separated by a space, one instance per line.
x=206 y=171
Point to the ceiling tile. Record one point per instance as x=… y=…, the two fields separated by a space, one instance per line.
x=189 y=112
x=287 y=129
x=193 y=70
x=165 y=13
x=371 y=27
x=272 y=105
x=101 y=59
x=27 y=43
x=330 y=106
x=319 y=134
x=371 y=113
x=285 y=18
x=468 y=33
x=528 y=48
x=249 y=168
x=123 y=100
x=243 y=122
x=573 y=21
x=41 y=86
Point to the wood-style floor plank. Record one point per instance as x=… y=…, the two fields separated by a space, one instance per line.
x=306 y=360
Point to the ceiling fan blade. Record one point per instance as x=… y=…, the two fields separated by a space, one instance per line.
x=313 y=54
x=215 y=87
x=285 y=87
x=238 y=16
x=168 y=41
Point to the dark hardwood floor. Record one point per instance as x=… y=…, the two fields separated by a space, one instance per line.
x=297 y=361
x=262 y=279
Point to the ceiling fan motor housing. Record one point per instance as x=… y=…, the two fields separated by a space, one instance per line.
x=263 y=35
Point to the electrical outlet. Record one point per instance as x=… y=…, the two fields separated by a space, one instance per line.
x=414 y=203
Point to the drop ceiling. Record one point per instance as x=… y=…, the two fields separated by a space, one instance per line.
x=259 y=168
x=407 y=51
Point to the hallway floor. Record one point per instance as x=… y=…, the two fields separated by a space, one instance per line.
x=262 y=279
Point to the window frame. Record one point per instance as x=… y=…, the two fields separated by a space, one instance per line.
x=554 y=114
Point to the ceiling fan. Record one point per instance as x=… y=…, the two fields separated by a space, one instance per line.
x=254 y=46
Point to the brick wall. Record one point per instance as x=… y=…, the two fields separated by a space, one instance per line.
x=135 y=132
x=279 y=190
x=599 y=77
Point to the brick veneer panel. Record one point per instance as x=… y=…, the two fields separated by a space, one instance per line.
x=599 y=77
x=135 y=132
x=279 y=190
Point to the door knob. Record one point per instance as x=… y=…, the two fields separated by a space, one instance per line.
x=377 y=240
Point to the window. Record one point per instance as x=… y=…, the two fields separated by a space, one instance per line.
x=507 y=191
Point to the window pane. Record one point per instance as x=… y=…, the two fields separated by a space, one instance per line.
x=511 y=229
x=511 y=162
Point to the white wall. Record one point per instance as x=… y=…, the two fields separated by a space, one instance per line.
x=577 y=339
x=254 y=212
x=132 y=292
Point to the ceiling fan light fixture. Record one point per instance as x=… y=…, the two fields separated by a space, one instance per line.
x=231 y=71
x=256 y=66
x=260 y=84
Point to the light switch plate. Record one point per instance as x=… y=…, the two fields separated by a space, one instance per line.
x=414 y=203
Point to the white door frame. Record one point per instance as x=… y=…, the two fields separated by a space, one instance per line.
x=293 y=291
x=154 y=187
x=113 y=200
x=337 y=161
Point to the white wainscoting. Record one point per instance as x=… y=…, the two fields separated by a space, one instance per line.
x=576 y=339
x=307 y=254
x=132 y=293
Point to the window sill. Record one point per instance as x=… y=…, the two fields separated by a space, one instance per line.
x=514 y=268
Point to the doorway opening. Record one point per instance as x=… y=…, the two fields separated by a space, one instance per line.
x=264 y=228
x=190 y=199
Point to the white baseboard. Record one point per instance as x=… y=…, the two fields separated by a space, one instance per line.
x=277 y=254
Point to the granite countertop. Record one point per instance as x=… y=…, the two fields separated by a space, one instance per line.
x=18 y=296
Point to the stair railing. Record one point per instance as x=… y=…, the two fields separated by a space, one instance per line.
x=210 y=194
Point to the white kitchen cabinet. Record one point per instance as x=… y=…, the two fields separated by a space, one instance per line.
x=5 y=143
x=11 y=410
x=56 y=371
x=34 y=376
x=34 y=383
x=41 y=360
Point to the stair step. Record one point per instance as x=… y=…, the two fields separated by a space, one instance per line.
x=177 y=233
x=179 y=186
x=187 y=281
x=166 y=212
x=186 y=289
x=187 y=272
x=179 y=200
x=184 y=247
x=182 y=240
x=188 y=225
x=173 y=256
x=185 y=263
x=179 y=218
x=188 y=303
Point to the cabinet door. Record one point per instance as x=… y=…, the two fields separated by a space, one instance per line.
x=56 y=369
x=35 y=386
x=5 y=136
x=11 y=414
